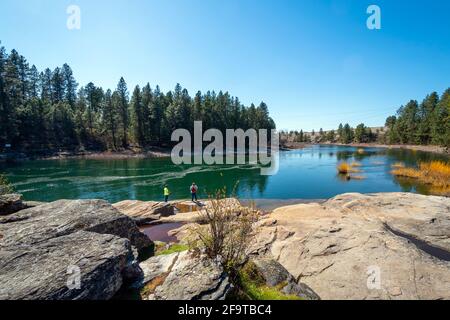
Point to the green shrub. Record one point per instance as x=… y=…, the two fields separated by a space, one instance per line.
x=5 y=185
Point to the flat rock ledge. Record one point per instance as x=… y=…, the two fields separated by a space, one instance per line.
x=354 y=246
x=44 y=249
x=151 y=212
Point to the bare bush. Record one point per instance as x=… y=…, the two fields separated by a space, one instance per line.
x=228 y=232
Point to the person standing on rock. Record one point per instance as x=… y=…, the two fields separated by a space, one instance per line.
x=166 y=193
x=194 y=189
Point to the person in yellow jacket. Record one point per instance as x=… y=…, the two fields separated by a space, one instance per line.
x=166 y=193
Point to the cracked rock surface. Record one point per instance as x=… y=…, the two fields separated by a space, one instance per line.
x=354 y=246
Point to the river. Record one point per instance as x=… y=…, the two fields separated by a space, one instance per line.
x=308 y=173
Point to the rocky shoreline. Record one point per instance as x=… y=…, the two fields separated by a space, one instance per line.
x=354 y=246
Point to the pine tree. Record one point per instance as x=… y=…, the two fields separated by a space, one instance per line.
x=137 y=116
x=3 y=99
x=70 y=85
x=392 y=136
x=14 y=97
x=197 y=107
x=340 y=132
x=440 y=126
x=157 y=115
x=94 y=99
x=46 y=85
x=44 y=110
x=58 y=88
x=147 y=106
x=110 y=119
x=123 y=109
x=361 y=134
x=34 y=82
x=407 y=123
x=347 y=134
x=426 y=111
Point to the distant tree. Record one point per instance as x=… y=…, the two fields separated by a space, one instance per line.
x=361 y=134
x=34 y=82
x=70 y=85
x=94 y=100
x=347 y=134
x=137 y=117
x=57 y=87
x=392 y=136
x=425 y=115
x=46 y=85
x=122 y=92
x=407 y=123
x=157 y=117
x=110 y=119
x=45 y=110
x=147 y=117
x=330 y=136
x=340 y=132
x=440 y=123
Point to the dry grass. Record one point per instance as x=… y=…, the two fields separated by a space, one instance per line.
x=345 y=168
x=398 y=165
x=356 y=164
x=434 y=173
x=357 y=177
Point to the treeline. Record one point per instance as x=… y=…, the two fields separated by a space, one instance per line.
x=344 y=134
x=427 y=123
x=47 y=110
x=423 y=124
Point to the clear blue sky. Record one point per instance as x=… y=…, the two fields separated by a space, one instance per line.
x=313 y=62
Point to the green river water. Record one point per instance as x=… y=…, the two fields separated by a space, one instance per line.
x=309 y=173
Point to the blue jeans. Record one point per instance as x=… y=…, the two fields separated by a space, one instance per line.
x=194 y=196
x=166 y=198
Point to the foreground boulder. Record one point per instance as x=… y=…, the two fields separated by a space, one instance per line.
x=354 y=246
x=47 y=270
x=59 y=218
x=181 y=276
x=40 y=246
x=11 y=203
